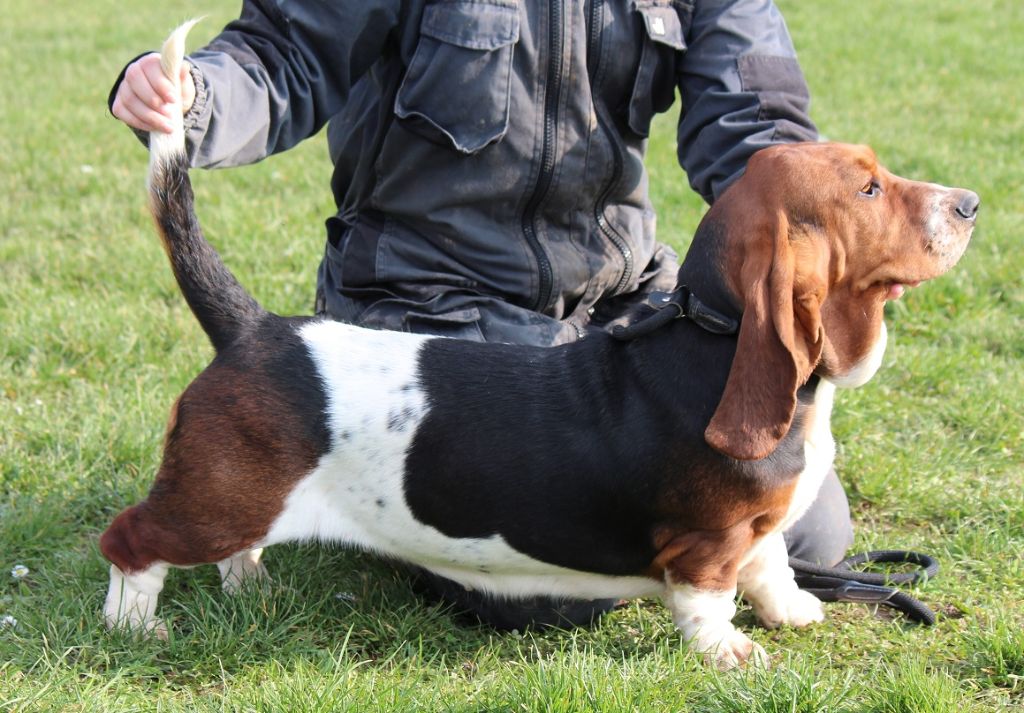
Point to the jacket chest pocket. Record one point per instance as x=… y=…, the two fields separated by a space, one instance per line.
x=663 y=41
x=457 y=88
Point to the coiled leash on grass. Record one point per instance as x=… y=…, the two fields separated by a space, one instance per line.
x=842 y=583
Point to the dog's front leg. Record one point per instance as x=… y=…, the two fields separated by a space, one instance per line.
x=766 y=581
x=704 y=616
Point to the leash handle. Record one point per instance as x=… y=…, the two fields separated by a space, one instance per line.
x=842 y=584
x=928 y=567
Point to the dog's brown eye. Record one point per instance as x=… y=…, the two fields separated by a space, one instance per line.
x=871 y=189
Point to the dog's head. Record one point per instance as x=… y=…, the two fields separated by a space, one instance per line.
x=816 y=238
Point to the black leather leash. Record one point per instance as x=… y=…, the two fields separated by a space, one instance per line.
x=843 y=584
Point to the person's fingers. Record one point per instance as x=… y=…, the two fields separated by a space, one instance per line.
x=153 y=77
x=138 y=114
x=146 y=98
x=138 y=81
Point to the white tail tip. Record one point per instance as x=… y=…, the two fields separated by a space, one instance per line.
x=172 y=54
x=173 y=51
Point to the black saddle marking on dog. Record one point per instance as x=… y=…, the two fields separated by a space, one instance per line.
x=575 y=454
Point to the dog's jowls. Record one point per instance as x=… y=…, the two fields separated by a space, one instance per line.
x=667 y=465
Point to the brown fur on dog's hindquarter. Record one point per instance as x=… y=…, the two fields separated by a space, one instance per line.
x=220 y=443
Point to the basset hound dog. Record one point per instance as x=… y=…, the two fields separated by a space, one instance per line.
x=664 y=464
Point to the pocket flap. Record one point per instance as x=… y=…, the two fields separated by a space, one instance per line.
x=475 y=25
x=663 y=25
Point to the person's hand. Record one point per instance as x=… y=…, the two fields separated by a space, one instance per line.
x=146 y=98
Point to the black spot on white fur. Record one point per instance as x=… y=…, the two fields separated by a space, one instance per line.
x=399 y=419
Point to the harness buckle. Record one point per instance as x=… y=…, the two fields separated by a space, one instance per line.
x=690 y=307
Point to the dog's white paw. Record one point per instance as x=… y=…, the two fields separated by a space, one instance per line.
x=256 y=575
x=154 y=628
x=796 y=608
x=242 y=569
x=735 y=649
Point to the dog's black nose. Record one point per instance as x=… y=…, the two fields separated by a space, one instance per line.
x=967 y=207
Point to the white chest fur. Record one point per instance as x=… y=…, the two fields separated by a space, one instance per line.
x=819 y=453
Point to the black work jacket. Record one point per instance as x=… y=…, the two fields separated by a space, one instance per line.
x=492 y=150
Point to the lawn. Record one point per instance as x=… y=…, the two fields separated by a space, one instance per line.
x=97 y=342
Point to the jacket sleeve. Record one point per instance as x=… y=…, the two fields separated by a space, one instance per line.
x=277 y=74
x=742 y=89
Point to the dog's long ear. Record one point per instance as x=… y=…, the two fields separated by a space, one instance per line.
x=782 y=286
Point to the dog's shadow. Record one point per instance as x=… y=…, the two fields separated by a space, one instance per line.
x=336 y=603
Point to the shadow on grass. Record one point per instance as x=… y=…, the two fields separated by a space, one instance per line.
x=343 y=627
x=325 y=606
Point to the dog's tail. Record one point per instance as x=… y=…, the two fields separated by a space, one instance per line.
x=222 y=306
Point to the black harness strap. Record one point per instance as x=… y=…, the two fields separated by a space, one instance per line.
x=843 y=584
x=678 y=304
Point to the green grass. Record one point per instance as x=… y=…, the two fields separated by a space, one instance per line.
x=97 y=342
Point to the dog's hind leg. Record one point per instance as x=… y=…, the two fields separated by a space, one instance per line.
x=168 y=529
x=132 y=598
x=244 y=567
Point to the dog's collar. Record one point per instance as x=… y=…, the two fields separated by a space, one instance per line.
x=678 y=304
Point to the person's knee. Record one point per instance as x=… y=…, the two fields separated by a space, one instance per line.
x=825 y=533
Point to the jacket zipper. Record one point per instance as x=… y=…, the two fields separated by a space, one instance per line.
x=594 y=51
x=547 y=165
